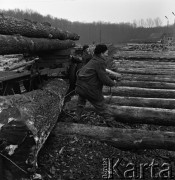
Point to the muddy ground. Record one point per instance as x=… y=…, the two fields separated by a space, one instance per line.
x=75 y=157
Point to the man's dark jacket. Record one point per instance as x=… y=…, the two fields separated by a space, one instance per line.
x=91 y=78
x=86 y=57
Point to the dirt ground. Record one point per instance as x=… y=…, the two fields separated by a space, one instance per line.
x=75 y=157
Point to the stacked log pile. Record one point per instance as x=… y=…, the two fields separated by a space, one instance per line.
x=37 y=111
x=22 y=36
x=145 y=93
x=36 y=39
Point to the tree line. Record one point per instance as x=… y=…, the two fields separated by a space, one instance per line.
x=97 y=31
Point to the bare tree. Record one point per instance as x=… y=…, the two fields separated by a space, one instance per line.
x=157 y=22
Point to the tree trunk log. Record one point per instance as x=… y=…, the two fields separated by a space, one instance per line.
x=146 y=71
x=141 y=102
x=141 y=115
x=125 y=139
x=140 y=92
x=146 y=55
x=39 y=111
x=156 y=78
x=145 y=65
x=147 y=84
x=12 y=26
x=19 y=44
x=143 y=62
x=132 y=114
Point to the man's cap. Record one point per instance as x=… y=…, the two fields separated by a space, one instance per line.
x=100 y=48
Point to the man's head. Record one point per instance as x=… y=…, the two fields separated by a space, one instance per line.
x=101 y=49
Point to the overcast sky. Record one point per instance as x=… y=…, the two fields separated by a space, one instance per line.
x=114 y=11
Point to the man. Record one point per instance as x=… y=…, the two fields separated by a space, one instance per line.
x=90 y=81
x=78 y=63
x=86 y=56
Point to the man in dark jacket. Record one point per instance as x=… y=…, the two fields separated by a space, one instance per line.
x=86 y=56
x=90 y=81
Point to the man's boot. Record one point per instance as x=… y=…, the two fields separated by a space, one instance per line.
x=111 y=122
x=78 y=113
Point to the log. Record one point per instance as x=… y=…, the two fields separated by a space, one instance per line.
x=141 y=102
x=11 y=26
x=143 y=62
x=125 y=139
x=145 y=65
x=140 y=92
x=156 y=78
x=24 y=64
x=146 y=71
x=38 y=110
x=133 y=114
x=19 y=44
x=147 y=84
x=141 y=115
x=146 y=55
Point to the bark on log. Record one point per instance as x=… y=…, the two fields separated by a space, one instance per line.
x=19 y=44
x=141 y=102
x=125 y=139
x=39 y=111
x=147 y=84
x=140 y=92
x=12 y=26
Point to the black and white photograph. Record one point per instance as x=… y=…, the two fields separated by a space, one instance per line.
x=87 y=89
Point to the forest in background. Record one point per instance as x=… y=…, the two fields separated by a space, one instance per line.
x=98 y=31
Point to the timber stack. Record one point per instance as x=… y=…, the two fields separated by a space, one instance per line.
x=27 y=119
x=145 y=93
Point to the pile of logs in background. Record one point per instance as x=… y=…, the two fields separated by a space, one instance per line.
x=145 y=95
